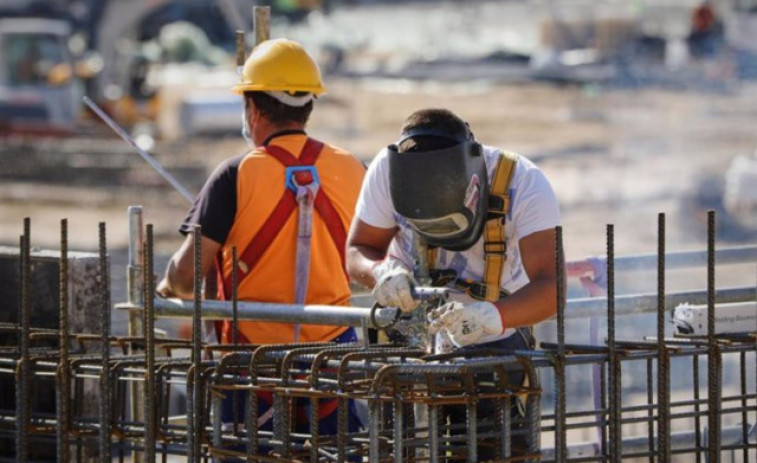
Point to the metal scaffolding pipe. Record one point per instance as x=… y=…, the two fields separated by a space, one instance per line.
x=684 y=259
x=631 y=304
x=273 y=312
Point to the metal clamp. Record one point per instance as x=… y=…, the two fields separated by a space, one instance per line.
x=291 y=176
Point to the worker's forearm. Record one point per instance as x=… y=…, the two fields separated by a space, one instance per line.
x=174 y=284
x=535 y=302
x=360 y=262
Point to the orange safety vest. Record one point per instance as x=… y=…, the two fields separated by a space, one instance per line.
x=265 y=235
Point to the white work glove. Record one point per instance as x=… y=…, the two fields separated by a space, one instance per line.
x=467 y=323
x=394 y=285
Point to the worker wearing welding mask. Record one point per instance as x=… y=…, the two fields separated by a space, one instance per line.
x=489 y=220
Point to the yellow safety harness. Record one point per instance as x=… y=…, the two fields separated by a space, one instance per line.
x=495 y=241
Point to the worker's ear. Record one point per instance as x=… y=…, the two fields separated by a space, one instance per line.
x=253 y=114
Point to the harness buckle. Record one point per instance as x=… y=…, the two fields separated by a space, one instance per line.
x=495 y=247
x=476 y=289
x=301 y=176
x=499 y=204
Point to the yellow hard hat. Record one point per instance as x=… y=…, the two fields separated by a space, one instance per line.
x=280 y=65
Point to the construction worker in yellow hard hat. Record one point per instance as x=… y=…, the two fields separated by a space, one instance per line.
x=254 y=202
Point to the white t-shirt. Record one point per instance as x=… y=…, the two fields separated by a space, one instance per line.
x=533 y=208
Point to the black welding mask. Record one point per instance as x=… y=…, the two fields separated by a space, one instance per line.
x=443 y=194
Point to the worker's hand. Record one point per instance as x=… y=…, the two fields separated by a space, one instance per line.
x=164 y=289
x=467 y=323
x=394 y=285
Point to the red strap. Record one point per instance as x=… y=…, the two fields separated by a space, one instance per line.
x=287 y=204
x=263 y=239
x=310 y=152
x=333 y=222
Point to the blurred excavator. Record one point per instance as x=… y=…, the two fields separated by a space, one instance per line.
x=158 y=67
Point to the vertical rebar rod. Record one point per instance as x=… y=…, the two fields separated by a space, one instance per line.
x=471 y=417
x=149 y=334
x=64 y=371
x=196 y=438
x=251 y=423
x=314 y=432
x=697 y=409
x=399 y=423
x=713 y=365
x=282 y=421
x=105 y=395
x=433 y=422
x=502 y=413
x=342 y=427
x=234 y=332
x=507 y=434
x=23 y=406
x=135 y=297
x=650 y=409
x=234 y=304
x=744 y=405
x=614 y=367
x=663 y=359
x=604 y=441
x=216 y=401
x=754 y=425
x=374 y=419
x=561 y=441
x=191 y=455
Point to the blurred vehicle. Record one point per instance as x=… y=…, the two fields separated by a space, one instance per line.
x=168 y=64
x=39 y=88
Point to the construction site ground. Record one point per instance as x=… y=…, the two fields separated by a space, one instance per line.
x=614 y=156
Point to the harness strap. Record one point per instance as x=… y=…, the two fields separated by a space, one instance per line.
x=495 y=242
x=286 y=205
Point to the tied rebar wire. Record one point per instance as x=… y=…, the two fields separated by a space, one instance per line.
x=105 y=392
x=663 y=359
x=196 y=410
x=561 y=439
x=713 y=365
x=63 y=391
x=23 y=377
x=149 y=334
x=614 y=360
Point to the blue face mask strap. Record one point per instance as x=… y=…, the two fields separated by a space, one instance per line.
x=246 y=130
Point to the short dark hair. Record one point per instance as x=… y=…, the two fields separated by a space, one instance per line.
x=439 y=120
x=277 y=112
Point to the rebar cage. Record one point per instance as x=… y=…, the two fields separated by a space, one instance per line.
x=114 y=394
